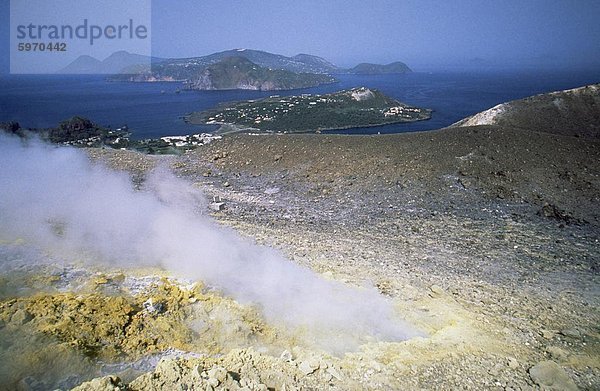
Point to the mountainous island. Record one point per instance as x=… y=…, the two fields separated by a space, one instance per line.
x=230 y=69
x=235 y=69
x=358 y=107
x=116 y=63
x=187 y=68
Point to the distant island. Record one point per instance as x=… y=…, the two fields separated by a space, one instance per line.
x=230 y=69
x=376 y=69
x=118 y=62
x=236 y=69
x=358 y=107
x=187 y=68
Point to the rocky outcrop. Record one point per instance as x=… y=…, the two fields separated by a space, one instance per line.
x=550 y=376
x=240 y=369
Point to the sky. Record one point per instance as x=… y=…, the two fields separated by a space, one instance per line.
x=425 y=34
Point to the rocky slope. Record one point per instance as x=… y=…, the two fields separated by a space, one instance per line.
x=573 y=112
x=484 y=237
x=117 y=62
x=469 y=230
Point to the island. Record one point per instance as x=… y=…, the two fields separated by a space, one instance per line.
x=235 y=69
x=379 y=69
x=230 y=69
x=354 y=108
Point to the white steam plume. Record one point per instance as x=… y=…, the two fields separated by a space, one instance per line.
x=56 y=199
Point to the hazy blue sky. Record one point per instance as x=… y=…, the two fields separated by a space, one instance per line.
x=422 y=33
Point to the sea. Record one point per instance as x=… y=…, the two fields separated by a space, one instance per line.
x=156 y=109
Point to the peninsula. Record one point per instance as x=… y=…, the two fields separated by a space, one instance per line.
x=354 y=108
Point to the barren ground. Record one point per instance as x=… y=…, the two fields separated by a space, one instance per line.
x=485 y=238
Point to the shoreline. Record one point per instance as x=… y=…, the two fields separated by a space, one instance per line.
x=311 y=131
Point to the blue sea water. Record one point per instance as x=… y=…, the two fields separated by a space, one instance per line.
x=155 y=109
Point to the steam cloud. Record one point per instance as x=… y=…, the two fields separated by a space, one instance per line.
x=54 y=198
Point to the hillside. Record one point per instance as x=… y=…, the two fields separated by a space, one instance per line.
x=315 y=64
x=240 y=73
x=574 y=112
x=353 y=108
x=374 y=69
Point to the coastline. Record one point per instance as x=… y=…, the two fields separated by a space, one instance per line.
x=241 y=128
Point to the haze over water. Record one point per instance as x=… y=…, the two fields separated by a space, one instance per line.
x=427 y=35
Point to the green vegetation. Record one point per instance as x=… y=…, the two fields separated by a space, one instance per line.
x=358 y=107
